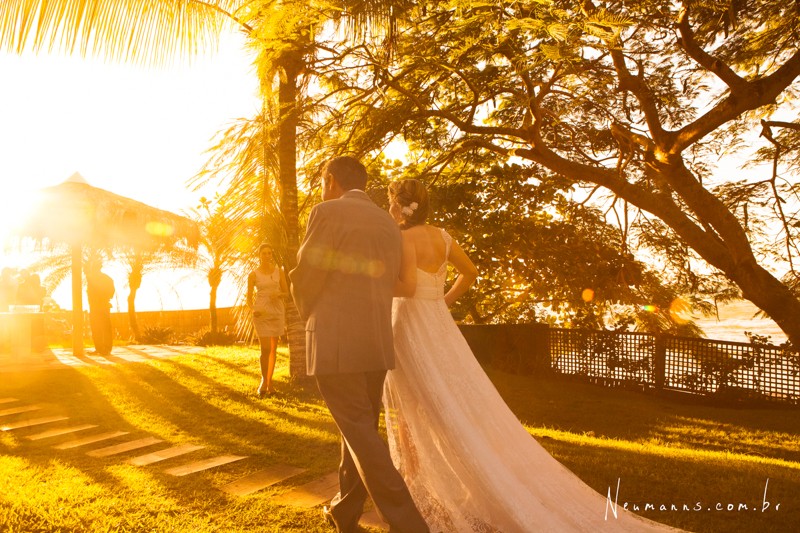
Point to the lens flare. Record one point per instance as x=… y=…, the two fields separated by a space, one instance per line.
x=159 y=229
x=329 y=259
x=650 y=308
x=243 y=243
x=680 y=311
x=587 y=295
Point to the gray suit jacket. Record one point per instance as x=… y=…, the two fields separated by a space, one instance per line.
x=343 y=284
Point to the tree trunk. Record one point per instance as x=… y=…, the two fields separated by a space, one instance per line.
x=214 y=279
x=725 y=233
x=77 y=300
x=212 y=308
x=134 y=282
x=287 y=162
x=771 y=296
x=132 y=323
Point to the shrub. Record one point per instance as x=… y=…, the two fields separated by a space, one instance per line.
x=206 y=337
x=157 y=335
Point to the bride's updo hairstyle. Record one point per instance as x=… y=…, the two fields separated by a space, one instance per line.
x=410 y=198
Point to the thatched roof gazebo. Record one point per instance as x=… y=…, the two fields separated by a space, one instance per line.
x=79 y=215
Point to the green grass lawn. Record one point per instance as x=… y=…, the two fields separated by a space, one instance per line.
x=663 y=452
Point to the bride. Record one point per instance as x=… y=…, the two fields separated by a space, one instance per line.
x=469 y=463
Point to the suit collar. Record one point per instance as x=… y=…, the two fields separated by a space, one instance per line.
x=356 y=194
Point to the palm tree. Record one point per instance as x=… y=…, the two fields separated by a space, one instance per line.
x=226 y=243
x=242 y=161
x=286 y=47
x=152 y=32
x=138 y=263
x=156 y=31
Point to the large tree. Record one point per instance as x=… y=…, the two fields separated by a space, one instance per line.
x=543 y=257
x=635 y=98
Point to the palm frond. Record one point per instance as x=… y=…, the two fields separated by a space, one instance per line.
x=152 y=32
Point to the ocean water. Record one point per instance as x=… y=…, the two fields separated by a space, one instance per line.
x=737 y=317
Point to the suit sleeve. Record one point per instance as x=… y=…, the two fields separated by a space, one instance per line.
x=310 y=275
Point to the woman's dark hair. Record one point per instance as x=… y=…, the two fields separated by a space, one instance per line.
x=411 y=197
x=265 y=246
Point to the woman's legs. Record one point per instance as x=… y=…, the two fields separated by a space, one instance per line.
x=273 y=354
x=269 y=347
x=263 y=360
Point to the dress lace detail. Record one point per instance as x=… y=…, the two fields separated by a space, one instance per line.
x=468 y=462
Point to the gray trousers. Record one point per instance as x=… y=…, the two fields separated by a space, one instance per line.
x=366 y=468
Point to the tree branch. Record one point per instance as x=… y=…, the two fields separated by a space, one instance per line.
x=708 y=245
x=636 y=86
x=755 y=94
x=703 y=58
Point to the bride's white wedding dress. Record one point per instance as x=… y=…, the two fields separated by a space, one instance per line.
x=469 y=463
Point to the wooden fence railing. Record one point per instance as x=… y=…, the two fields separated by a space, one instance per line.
x=720 y=369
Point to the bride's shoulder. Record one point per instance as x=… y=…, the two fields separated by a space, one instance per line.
x=439 y=231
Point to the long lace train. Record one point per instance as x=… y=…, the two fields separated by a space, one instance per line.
x=469 y=463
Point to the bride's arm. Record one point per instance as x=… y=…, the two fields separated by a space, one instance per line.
x=467 y=274
x=406 y=285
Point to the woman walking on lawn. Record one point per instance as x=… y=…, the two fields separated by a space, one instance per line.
x=469 y=463
x=268 y=312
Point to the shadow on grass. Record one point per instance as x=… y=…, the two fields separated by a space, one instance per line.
x=255 y=375
x=693 y=494
x=153 y=400
x=582 y=408
x=207 y=399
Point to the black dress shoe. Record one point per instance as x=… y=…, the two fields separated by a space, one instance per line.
x=326 y=513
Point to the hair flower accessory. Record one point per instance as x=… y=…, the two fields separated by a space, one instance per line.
x=409 y=209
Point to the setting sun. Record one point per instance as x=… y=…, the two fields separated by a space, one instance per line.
x=134 y=131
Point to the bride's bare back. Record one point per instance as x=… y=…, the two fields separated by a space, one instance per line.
x=429 y=247
x=424 y=248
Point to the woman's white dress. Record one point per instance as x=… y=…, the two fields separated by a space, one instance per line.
x=271 y=319
x=469 y=463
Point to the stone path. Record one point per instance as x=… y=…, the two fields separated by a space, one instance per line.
x=60 y=431
x=56 y=358
x=163 y=455
x=261 y=479
x=307 y=495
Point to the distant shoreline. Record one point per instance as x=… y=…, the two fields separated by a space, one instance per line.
x=737 y=317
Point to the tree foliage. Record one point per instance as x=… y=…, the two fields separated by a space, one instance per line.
x=637 y=99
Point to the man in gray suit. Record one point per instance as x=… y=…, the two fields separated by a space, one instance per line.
x=346 y=271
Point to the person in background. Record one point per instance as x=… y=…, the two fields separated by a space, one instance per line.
x=30 y=290
x=8 y=288
x=100 y=290
x=269 y=315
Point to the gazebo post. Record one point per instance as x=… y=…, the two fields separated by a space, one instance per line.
x=77 y=300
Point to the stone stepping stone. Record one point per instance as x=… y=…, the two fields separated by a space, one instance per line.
x=32 y=422
x=206 y=464
x=8 y=400
x=90 y=440
x=311 y=494
x=162 y=455
x=261 y=480
x=186 y=351
x=124 y=447
x=372 y=519
x=60 y=431
x=17 y=410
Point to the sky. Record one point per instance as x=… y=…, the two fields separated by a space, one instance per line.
x=137 y=131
